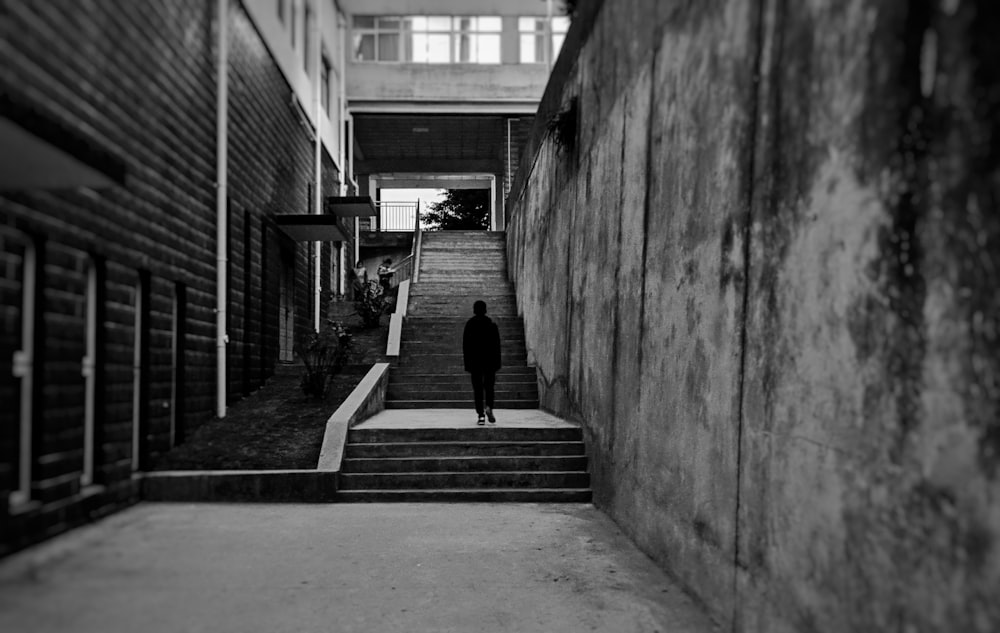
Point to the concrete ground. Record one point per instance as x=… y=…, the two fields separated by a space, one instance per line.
x=343 y=567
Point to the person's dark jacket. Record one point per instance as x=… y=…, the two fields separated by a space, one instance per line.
x=481 y=345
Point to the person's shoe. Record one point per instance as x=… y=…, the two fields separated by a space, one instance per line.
x=489 y=414
x=481 y=421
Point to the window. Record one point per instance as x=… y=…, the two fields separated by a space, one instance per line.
x=428 y=39
x=560 y=26
x=178 y=367
x=306 y=24
x=324 y=85
x=140 y=373
x=532 y=37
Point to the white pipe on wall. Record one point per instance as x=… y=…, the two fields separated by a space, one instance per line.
x=221 y=208
x=317 y=59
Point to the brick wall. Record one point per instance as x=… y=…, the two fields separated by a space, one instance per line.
x=138 y=80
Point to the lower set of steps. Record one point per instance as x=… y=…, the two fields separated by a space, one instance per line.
x=465 y=464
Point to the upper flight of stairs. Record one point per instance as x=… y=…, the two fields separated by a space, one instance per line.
x=456 y=269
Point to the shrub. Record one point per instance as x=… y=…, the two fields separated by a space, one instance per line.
x=324 y=354
x=371 y=304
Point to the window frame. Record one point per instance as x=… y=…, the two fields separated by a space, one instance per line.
x=406 y=36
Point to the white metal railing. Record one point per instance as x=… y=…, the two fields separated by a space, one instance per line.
x=396 y=216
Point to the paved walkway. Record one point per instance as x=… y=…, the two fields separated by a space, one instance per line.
x=460 y=418
x=350 y=567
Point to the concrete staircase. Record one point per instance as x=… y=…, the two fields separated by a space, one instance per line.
x=465 y=464
x=456 y=269
x=518 y=462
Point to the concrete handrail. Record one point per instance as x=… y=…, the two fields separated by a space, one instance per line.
x=415 y=250
x=396 y=320
x=367 y=399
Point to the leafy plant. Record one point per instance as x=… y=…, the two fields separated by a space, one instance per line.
x=372 y=303
x=460 y=210
x=324 y=354
x=562 y=126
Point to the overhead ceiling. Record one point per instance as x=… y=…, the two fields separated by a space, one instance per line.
x=429 y=143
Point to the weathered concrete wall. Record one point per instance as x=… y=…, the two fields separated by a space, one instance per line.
x=763 y=275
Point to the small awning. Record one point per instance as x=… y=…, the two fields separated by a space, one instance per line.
x=311 y=228
x=350 y=206
x=40 y=152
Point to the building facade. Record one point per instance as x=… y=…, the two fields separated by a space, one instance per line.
x=442 y=93
x=151 y=152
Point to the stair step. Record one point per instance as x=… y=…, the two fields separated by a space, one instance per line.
x=471 y=433
x=458 y=404
x=459 y=383
x=509 y=495
x=457 y=375
x=422 y=393
x=463 y=464
x=499 y=479
x=466 y=448
x=455 y=347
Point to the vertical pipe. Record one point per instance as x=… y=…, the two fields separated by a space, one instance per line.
x=88 y=370
x=137 y=343
x=221 y=210
x=23 y=368
x=494 y=220
x=347 y=140
x=317 y=60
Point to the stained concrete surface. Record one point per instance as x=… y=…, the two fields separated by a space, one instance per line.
x=366 y=567
x=762 y=276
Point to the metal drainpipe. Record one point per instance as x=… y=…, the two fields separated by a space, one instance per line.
x=346 y=144
x=317 y=56
x=221 y=247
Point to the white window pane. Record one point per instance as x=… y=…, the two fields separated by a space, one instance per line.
x=438 y=49
x=465 y=24
x=557 y=42
x=488 y=49
x=526 y=25
x=419 y=47
x=418 y=22
x=439 y=23
x=490 y=24
x=528 y=49
x=560 y=24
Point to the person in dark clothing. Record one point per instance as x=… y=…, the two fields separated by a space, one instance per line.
x=481 y=352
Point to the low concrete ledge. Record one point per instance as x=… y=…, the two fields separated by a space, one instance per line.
x=396 y=320
x=301 y=486
x=367 y=399
x=402 y=297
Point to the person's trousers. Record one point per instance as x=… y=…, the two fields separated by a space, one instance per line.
x=482 y=385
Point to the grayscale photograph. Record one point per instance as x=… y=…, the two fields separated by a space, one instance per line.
x=488 y=316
